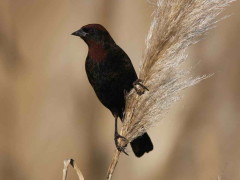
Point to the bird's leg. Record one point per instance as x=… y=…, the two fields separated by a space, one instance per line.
x=117 y=136
x=141 y=90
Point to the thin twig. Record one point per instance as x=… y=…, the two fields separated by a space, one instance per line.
x=75 y=167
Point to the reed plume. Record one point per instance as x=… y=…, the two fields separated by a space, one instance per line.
x=175 y=26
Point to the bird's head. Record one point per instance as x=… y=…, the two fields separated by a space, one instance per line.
x=94 y=34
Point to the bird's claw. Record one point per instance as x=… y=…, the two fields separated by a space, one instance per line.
x=141 y=90
x=120 y=148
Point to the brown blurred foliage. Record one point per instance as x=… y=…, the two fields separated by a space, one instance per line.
x=49 y=112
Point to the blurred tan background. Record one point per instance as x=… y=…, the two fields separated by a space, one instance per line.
x=49 y=112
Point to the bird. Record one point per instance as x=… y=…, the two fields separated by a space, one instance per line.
x=112 y=75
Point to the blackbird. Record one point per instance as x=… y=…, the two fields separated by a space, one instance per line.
x=112 y=75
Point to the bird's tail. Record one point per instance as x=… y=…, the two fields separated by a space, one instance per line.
x=141 y=145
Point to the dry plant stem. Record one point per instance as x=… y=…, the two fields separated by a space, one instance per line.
x=74 y=165
x=115 y=158
x=113 y=164
x=176 y=25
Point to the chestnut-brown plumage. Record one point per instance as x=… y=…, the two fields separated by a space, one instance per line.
x=111 y=74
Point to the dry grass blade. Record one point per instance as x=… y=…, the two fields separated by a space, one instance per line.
x=175 y=26
x=74 y=165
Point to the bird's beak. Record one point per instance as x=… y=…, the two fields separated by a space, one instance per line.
x=79 y=33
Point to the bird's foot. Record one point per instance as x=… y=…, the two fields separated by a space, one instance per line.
x=139 y=87
x=119 y=147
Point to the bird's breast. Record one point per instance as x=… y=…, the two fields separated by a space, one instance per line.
x=97 y=53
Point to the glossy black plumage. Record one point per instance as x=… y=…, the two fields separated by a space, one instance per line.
x=111 y=74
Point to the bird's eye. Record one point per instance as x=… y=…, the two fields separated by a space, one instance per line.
x=88 y=30
x=85 y=30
